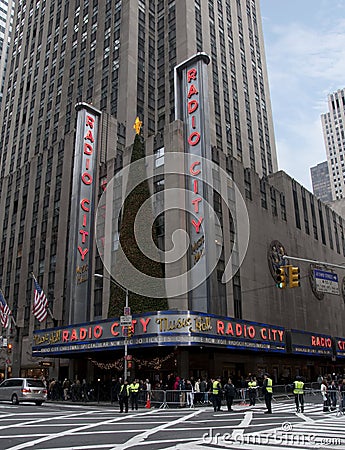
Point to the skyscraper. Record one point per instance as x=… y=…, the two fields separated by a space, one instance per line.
x=6 y=18
x=80 y=72
x=334 y=139
x=321 y=182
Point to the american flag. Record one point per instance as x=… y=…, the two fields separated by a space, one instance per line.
x=4 y=311
x=40 y=307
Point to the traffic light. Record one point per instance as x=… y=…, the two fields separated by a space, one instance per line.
x=129 y=331
x=9 y=348
x=294 y=277
x=281 y=278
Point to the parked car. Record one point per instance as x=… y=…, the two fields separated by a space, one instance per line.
x=17 y=390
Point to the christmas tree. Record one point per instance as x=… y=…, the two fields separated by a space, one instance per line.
x=141 y=262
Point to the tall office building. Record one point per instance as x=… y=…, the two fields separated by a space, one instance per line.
x=334 y=138
x=6 y=19
x=117 y=60
x=120 y=57
x=321 y=182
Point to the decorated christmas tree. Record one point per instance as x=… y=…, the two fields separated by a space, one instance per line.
x=141 y=262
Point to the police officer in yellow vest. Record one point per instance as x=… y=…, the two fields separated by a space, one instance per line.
x=252 y=391
x=124 y=393
x=217 y=394
x=268 y=391
x=298 y=390
x=134 y=389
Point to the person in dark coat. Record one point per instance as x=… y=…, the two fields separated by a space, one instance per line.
x=332 y=391
x=268 y=392
x=117 y=388
x=124 y=396
x=230 y=392
x=217 y=394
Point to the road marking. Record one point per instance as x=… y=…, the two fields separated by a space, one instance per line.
x=71 y=431
x=243 y=425
x=138 y=440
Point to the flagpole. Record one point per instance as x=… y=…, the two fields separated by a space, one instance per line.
x=13 y=320
x=7 y=360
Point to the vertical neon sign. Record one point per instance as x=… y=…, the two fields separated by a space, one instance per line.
x=82 y=212
x=191 y=106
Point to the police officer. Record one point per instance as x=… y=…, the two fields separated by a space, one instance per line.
x=268 y=391
x=298 y=390
x=217 y=394
x=124 y=396
x=134 y=390
x=252 y=391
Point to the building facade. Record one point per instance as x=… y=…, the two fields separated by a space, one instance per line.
x=6 y=19
x=334 y=139
x=321 y=182
x=118 y=59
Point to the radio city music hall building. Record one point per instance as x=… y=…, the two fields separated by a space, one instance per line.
x=194 y=72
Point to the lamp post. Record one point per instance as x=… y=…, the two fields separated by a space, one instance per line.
x=125 y=364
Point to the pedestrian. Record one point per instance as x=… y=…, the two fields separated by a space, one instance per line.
x=324 y=393
x=203 y=391
x=124 y=396
x=190 y=394
x=182 y=389
x=66 y=387
x=147 y=388
x=332 y=392
x=342 y=394
x=268 y=392
x=229 y=392
x=134 y=393
x=117 y=388
x=298 y=390
x=252 y=391
x=208 y=394
x=217 y=394
x=197 y=395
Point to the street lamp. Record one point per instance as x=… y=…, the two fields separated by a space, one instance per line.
x=125 y=365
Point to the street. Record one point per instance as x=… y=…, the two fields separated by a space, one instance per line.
x=85 y=427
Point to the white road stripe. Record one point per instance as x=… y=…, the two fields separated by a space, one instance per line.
x=70 y=431
x=138 y=440
x=35 y=421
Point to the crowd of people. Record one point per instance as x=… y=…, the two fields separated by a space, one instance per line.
x=190 y=392
x=333 y=392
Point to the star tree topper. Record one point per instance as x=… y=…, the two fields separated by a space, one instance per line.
x=137 y=125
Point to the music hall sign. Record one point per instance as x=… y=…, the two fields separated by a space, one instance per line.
x=163 y=328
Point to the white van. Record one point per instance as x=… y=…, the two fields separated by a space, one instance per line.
x=17 y=390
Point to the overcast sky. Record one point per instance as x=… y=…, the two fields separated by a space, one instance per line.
x=305 y=53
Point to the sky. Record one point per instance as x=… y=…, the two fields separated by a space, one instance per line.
x=305 y=56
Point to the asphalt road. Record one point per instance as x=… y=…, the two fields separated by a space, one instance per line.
x=96 y=427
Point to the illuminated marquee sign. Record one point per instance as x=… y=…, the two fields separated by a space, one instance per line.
x=311 y=343
x=162 y=328
x=82 y=210
x=191 y=100
x=340 y=347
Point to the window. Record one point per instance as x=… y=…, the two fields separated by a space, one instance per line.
x=159 y=157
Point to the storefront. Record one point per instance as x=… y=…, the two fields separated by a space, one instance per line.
x=190 y=344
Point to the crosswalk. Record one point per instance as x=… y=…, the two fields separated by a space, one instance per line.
x=77 y=427
x=303 y=435
x=314 y=429
x=283 y=430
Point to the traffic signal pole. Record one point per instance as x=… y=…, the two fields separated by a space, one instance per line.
x=125 y=363
x=294 y=258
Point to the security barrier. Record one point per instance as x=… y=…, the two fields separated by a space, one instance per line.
x=160 y=398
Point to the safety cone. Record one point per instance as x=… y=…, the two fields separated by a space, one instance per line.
x=148 y=404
